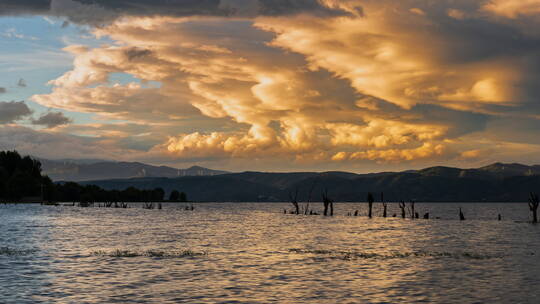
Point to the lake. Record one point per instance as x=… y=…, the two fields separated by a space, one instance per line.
x=253 y=253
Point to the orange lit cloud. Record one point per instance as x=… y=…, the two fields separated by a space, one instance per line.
x=513 y=8
x=389 y=55
x=383 y=81
x=427 y=150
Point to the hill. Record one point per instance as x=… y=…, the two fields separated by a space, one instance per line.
x=494 y=183
x=73 y=170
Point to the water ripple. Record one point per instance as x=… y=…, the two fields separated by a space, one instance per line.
x=253 y=253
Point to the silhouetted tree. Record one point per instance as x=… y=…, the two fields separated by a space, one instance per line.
x=183 y=197
x=174 y=196
x=158 y=194
x=19 y=176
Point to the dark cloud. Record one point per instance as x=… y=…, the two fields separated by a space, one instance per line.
x=481 y=40
x=523 y=130
x=212 y=7
x=13 y=111
x=21 y=83
x=144 y=7
x=100 y=11
x=24 y=7
x=52 y=119
x=28 y=141
x=135 y=53
x=473 y=40
x=468 y=122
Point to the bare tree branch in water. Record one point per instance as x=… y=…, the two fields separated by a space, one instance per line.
x=294 y=201
x=327 y=203
x=411 y=210
x=384 y=204
x=306 y=211
x=533 y=206
x=402 y=207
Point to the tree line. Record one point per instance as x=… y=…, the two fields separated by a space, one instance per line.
x=20 y=178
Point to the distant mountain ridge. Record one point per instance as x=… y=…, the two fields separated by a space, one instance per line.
x=494 y=183
x=496 y=170
x=84 y=170
x=515 y=169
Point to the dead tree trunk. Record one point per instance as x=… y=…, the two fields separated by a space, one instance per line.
x=370 y=203
x=294 y=202
x=402 y=207
x=309 y=197
x=533 y=206
x=328 y=203
x=413 y=214
x=384 y=204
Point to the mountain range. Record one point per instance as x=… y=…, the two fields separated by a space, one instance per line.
x=84 y=170
x=494 y=183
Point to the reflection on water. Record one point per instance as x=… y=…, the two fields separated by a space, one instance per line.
x=246 y=253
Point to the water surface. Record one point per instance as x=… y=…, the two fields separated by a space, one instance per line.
x=247 y=253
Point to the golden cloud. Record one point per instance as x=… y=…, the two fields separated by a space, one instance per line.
x=513 y=8
x=387 y=55
x=427 y=150
x=343 y=88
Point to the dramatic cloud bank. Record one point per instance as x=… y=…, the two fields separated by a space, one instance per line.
x=347 y=82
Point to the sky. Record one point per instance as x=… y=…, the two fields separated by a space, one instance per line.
x=274 y=85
